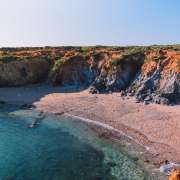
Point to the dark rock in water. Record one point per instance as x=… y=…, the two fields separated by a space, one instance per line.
x=33 y=125
x=98 y=178
x=37 y=121
x=27 y=106
x=135 y=158
x=60 y=113
x=111 y=164
x=2 y=102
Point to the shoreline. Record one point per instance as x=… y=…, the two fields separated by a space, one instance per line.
x=155 y=127
x=133 y=149
x=106 y=127
x=113 y=137
x=126 y=143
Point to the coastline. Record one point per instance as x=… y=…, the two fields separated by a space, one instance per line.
x=153 y=129
x=125 y=143
x=113 y=132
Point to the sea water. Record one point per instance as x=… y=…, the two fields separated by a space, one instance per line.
x=57 y=149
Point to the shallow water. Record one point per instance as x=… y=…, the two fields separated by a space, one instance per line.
x=57 y=149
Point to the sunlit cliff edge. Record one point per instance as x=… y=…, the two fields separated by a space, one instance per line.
x=150 y=74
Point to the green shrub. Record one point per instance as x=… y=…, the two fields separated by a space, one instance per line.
x=57 y=64
x=84 y=50
x=115 y=62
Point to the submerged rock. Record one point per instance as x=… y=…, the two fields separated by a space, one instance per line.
x=2 y=102
x=27 y=106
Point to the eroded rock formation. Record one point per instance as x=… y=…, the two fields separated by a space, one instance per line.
x=159 y=78
x=151 y=74
x=22 y=72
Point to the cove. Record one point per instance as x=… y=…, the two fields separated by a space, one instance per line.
x=58 y=149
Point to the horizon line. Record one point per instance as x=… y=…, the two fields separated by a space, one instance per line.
x=96 y=45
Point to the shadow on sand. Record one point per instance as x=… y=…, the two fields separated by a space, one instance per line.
x=27 y=95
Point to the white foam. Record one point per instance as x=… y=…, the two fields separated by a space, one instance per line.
x=106 y=126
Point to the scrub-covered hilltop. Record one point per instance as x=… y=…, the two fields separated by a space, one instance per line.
x=151 y=74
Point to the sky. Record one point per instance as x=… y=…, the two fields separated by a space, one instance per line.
x=89 y=22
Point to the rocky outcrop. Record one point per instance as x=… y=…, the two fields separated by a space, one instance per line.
x=158 y=81
x=171 y=88
x=74 y=70
x=77 y=69
x=22 y=72
x=101 y=71
x=116 y=74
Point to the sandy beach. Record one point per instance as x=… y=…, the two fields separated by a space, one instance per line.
x=156 y=127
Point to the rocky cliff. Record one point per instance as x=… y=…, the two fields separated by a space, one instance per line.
x=159 y=78
x=151 y=74
x=23 y=71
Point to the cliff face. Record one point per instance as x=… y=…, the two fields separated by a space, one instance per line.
x=117 y=72
x=159 y=78
x=151 y=74
x=74 y=70
x=22 y=72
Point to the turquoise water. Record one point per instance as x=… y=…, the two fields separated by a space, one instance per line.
x=57 y=149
